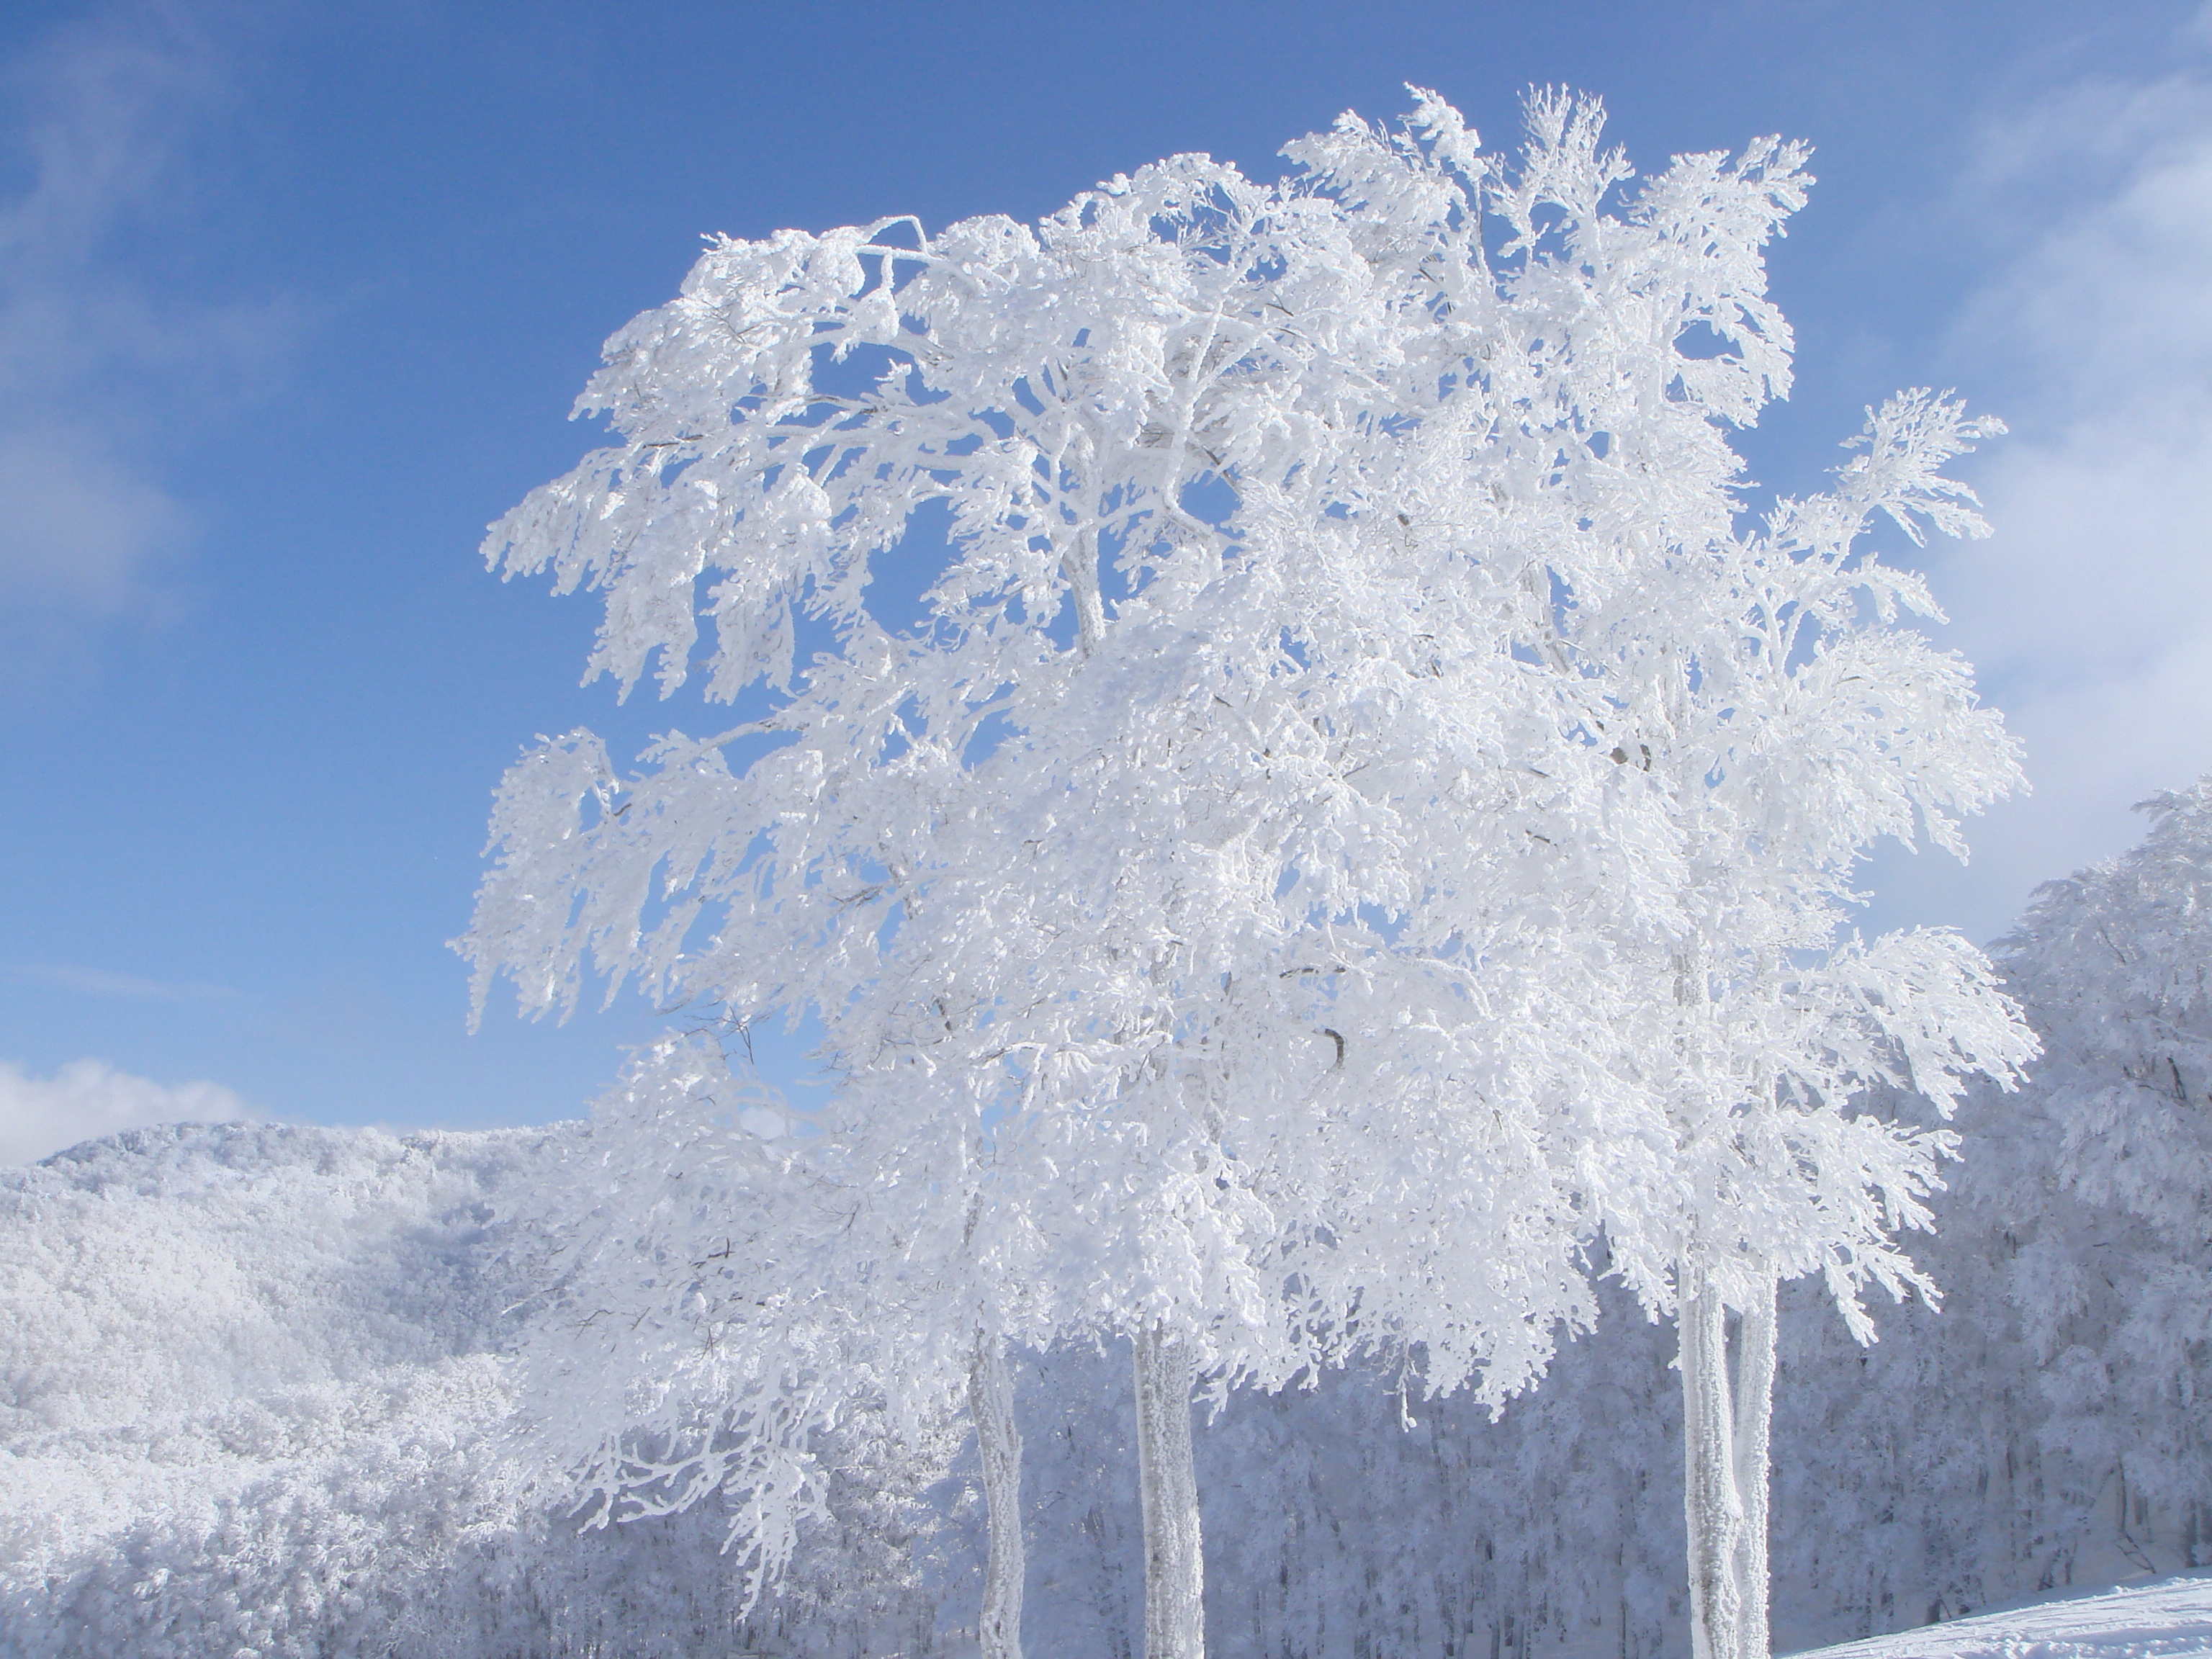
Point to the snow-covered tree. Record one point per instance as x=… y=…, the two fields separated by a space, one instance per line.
x=2045 y=1428
x=1089 y=829
x=1349 y=815
x=2109 y=1274
x=1771 y=719
x=731 y=1281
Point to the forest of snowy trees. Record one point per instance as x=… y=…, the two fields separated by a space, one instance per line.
x=1316 y=834
x=256 y=1379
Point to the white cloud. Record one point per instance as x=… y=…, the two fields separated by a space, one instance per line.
x=2088 y=614
x=99 y=356
x=80 y=525
x=100 y=982
x=88 y=1098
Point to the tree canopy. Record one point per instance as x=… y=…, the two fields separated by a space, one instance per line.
x=1354 y=810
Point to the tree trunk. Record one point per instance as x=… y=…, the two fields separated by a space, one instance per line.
x=1080 y=567
x=1754 y=1414
x=1725 y=1445
x=1713 y=1502
x=1174 y=1568
x=991 y=1401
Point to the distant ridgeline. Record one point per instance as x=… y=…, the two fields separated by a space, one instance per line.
x=256 y=1383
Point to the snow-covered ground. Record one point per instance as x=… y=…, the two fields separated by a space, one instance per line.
x=2155 y=1619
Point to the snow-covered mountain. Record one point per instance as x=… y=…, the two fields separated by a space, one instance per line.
x=254 y=1384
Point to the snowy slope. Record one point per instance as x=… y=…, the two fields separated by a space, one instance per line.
x=253 y=1389
x=2154 y=1620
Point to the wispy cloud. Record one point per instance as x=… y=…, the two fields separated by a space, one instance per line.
x=97 y=356
x=88 y=1098
x=2089 y=613
x=98 y=982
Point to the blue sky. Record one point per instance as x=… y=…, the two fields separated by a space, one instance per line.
x=294 y=298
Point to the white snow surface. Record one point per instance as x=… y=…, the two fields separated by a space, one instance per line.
x=2157 y=1619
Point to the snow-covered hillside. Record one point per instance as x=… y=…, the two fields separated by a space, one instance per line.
x=254 y=1386
x=2160 y=1620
